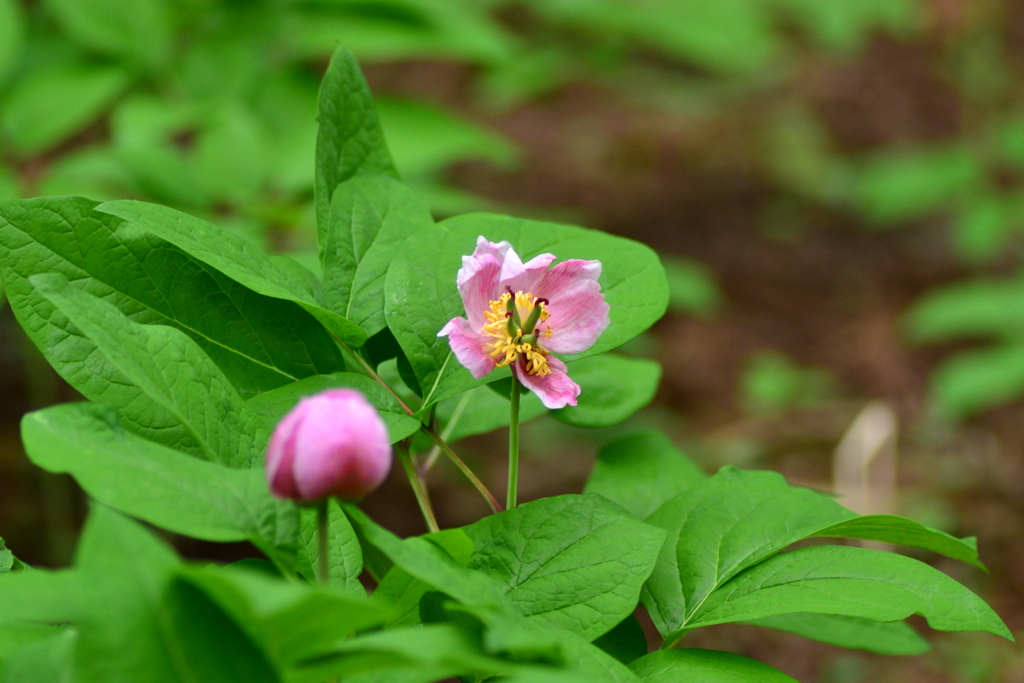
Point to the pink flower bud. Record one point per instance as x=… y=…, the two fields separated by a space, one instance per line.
x=331 y=444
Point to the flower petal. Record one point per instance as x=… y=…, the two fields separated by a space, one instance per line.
x=527 y=276
x=344 y=446
x=478 y=279
x=554 y=390
x=579 y=313
x=470 y=347
x=281 y=456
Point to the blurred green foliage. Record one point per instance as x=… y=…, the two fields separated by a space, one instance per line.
x=772 y=383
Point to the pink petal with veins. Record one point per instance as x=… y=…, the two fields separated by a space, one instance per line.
x=554 y=390
x=579 y=313
x=469 y=346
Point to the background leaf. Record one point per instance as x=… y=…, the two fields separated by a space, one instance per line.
x=138 y=31
x=855 y=633
x=689 y=665
x=612 y=389
x=642 y=471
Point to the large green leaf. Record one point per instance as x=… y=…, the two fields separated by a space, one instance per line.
x=259 y=342
x=344 y=556
x=371 y=215
x=12 y=29
x=139 y=31
x=855 y=633
x=53 y=102
x=737 y=519
x=689 y=665
x=349 y=138
x=722 y=526
x=164 y=487
x=642 y=471
x=612 y=389
x=273 y=405
x=232 y=255
x=46 y=660
x=166 y=388
x=422 y=279
x=139 y=627
x=855 y=582
x=575 y=563
x=291 y=621
x=481 y=410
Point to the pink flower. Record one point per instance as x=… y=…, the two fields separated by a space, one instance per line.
x=331 y=444
x=518 y=313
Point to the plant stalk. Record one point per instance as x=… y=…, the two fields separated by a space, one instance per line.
x=513 y=445
x=323 y=573
x=419 y=489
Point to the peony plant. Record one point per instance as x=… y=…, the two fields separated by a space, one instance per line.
x=233 y=396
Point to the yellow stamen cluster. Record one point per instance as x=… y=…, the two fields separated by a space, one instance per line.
x=506 y=326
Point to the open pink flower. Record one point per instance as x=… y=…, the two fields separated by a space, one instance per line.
x=518 y=313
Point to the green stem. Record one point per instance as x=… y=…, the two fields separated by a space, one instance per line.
x=463 y=467
x=323 y=573
x=418 y=487
x=513 y=445
x=446 y=433
x=368 y=369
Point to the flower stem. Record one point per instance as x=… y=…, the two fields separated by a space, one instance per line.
x=323 y=566
x=418 y=488
x=513 y=445
x=463 y=467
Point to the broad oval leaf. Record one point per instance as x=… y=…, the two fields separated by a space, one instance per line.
x=855 y=582
x=612 y=389
x=421 y=296
x=854 y=633
x=642 y=471
x=690 y=665
x=161 y=486
x=349 y=138
x=259 y=342
x=232 y=255
x=166 y=388
x=575 y=563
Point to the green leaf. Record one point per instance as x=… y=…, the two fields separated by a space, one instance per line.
x=260 y=343
x=974 y=381
x=12 y=34
x=231 y=155
x=855 y=633
x=625 y=642
x=719 y=528
x=349 y=137
x=642 y=471
x=41 y=596
x=273 y=405
x=371 y=216
x=612 y=389
x=592 y=662
x=54 y=102
x=854 y=582
x=344 y=556
x=422 y=278
x=481 y=410
x=428 y=563
x=166 y=488
x=692 y=288
x=690 y=665
x=895 y=187
x=8 y=563
x=291 y=621
x=232 y=255
x=167 y=389
x=138 y=31
x=45 y=660
x=976 y=308
x=140 y=627
x=575 y=563
x=425 y=140
x=903 y=531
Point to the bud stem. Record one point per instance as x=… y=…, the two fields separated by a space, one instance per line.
x=323 y=574
x=418 y=487
x=513 y=445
